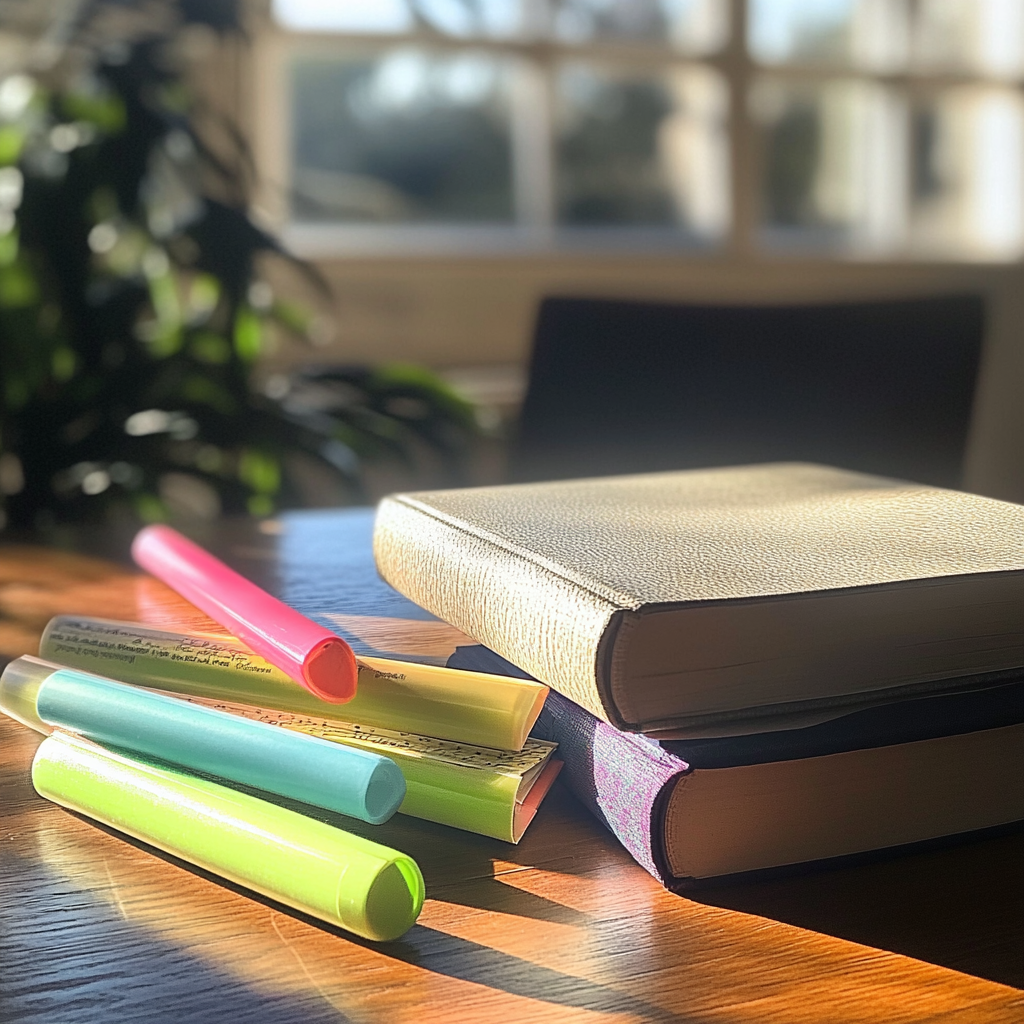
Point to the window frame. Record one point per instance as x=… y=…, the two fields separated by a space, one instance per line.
x=535 y=231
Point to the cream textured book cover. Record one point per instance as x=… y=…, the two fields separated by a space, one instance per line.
x=675 y=599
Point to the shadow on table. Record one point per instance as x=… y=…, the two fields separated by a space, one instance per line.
x=459 y=958
x=424 y=947
x=959 y=906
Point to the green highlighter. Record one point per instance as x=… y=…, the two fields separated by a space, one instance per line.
x=340 y=878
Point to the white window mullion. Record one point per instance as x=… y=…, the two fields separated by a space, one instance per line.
x=744 y=165
x=532 y=148
x=886 y=171
x=271 y=122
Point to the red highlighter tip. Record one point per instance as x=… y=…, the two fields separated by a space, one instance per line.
x=331 y=671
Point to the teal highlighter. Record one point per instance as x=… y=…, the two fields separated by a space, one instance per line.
x=353 y=782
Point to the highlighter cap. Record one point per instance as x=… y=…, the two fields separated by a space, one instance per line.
x=19 y=688
x=381 y=902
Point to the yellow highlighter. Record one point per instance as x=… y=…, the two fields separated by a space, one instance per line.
x=465 y=707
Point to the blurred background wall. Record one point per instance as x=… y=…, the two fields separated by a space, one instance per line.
x=442 y=166
x=447 y=163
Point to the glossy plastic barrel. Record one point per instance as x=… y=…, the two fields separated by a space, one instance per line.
x=307 y=864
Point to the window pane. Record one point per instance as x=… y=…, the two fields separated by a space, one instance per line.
x=967 y=174
x=404 y=136
x=970 y=35
x=464 y=18
x=343 y=15
x=693 y=26
x=833 y=165
x=864 y=33
x=642 y=149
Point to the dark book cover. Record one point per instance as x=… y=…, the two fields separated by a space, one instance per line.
x=626 y=779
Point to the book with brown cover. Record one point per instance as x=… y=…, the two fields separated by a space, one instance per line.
x=722 y=600
x=880 y=780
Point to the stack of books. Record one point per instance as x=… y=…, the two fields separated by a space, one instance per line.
x=756 y=667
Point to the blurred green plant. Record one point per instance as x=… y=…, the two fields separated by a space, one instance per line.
x=131 y=312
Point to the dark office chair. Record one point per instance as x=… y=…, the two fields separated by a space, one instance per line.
x=624 y=387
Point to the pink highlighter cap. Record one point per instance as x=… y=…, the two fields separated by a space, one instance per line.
x=313 y=656
x=325 y=664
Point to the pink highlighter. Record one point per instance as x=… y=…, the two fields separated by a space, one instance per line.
x=312 y=655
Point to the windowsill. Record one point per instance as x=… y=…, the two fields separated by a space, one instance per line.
x=318 y=241
x=323 y=241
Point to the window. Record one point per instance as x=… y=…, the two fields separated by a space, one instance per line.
x=873 y=128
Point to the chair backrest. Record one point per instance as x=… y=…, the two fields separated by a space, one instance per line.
x=619 y=387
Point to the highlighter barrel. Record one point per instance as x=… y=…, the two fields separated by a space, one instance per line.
x=345 y=880
x=310 y=654
x=466 y=707
x=357 y=783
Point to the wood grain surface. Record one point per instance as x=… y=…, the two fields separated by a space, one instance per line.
x=564 y=927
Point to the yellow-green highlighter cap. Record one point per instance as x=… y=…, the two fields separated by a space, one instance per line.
x=392 y=903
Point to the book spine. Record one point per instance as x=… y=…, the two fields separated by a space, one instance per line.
x=549 y=625
x=624 y=779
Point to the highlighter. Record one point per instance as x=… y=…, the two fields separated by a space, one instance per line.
x=467 y=707
x=307 y=864
x=307 y=652
x=358 y=783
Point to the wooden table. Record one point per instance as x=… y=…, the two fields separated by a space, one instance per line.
x=564 y=927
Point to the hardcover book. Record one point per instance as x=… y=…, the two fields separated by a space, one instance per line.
x=690 y=811
x=723 y=601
